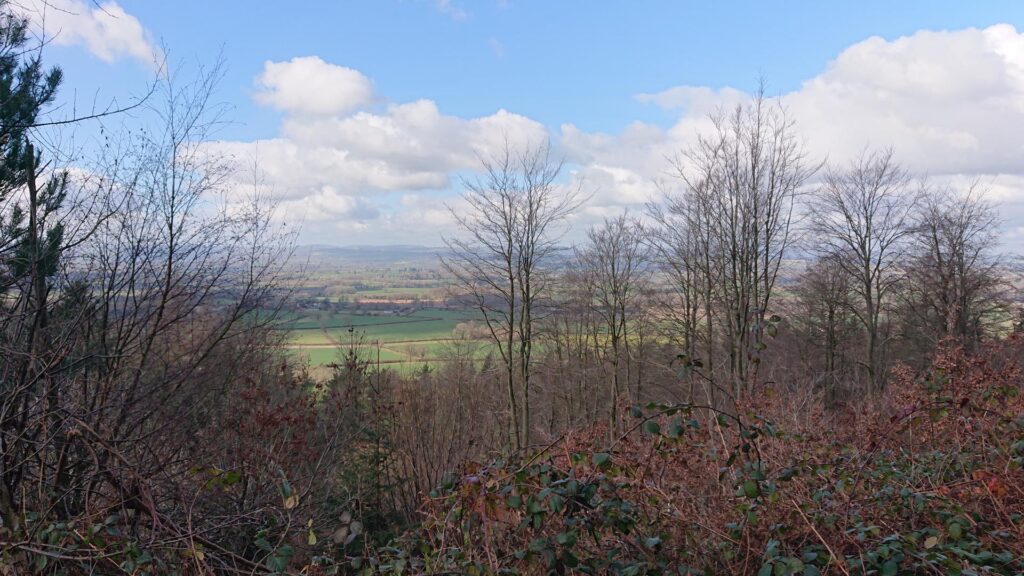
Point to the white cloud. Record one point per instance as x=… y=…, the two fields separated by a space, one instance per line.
x=694 y=100
x=106 y=30
x=379 y=172
x=406 y=147
x=308 y=85
x=451 y=9
x=950 y=103
x=327 y=205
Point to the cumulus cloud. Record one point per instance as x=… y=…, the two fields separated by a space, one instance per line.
x=405 y=147
x=342 y=162
x=950 y=103
x=308 y=85
x=105 y=30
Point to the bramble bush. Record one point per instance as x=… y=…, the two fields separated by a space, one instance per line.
x=926 y=480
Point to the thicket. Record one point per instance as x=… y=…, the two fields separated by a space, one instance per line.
x=924 y=480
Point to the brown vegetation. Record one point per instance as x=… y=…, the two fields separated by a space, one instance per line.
x=678 y=395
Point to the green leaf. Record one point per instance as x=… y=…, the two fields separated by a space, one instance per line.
x=652 y=427
x=601 y=459
x=751 y=489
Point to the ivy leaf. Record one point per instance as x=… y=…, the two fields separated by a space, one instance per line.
x=652 y=427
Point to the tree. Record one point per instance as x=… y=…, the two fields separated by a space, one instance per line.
x=822 y=314
x=614 y=262
x=954 y=287
x=134 y=325
x=860 y=219
x=733 y=223
x=509 y=223
x=31 y=236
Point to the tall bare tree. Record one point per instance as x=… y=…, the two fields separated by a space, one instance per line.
x=860 y=218
x=614 y=261
x=741 y=183
x=822 y=314
x=954 y=287
x=510 y=225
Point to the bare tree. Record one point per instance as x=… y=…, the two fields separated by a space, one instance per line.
x=681 y=249
x=736 y=215
x=510 y=224
x=860 y=218
x=134 y=324
x=614 y=262
x=954 y=287
x=822 y=315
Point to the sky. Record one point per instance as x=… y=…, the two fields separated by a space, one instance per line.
x=365 y=117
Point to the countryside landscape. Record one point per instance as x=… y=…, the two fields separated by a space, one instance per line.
x=390 y=303
x=438 y=287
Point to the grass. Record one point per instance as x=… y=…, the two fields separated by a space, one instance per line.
x=407 y=291
x=324 y=356
x=404 y=339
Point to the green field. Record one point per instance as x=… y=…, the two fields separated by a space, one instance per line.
x=323 y=356
x=412 y=339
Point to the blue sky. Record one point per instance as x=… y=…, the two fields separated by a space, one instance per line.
x=571 y=71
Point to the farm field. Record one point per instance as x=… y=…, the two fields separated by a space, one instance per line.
x=404 y=341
